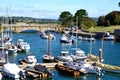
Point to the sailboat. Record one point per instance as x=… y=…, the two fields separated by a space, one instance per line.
x=48 y=57
x=2 y=59
x=7 y=35
x=79 y=54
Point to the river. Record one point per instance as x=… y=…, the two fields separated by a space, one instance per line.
x=111 y=54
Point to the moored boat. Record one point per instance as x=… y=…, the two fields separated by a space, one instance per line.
x=64 y=56
x=79 y=55
x=29 y=59
x=24 y=46
x=48 y=57
x=45 y=36
x=11 y=70
x=85 y=66
x=65 y=39
x=67 y=70
x=109 y=68
x=107 y=36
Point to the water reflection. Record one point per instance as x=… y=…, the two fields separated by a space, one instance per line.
x=12 y=57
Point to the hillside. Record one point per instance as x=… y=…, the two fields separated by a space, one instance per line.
x=31 y=20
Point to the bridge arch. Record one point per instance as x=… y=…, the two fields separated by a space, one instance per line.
x=38 y=27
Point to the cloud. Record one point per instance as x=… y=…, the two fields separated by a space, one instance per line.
x=49 y=14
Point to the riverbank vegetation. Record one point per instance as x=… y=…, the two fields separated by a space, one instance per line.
x=108 y=22
x=80 y=18
x=103 y=29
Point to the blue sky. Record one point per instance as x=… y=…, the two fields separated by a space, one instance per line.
x=52 y=8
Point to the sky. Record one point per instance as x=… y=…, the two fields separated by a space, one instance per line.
x=51 y=9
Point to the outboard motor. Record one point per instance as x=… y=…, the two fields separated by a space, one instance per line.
x=22 y=74
x=101 y=72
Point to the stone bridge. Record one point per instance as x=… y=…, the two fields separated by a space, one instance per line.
x=19 y=27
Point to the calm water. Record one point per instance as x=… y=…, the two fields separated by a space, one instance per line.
x=111 y=54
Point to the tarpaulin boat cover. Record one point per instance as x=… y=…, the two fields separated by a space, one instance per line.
x=11 y=68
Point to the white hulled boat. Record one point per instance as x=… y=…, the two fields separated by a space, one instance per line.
x=24 y=46
x=65 y=39
x=29 y=59
x=45 y=36
x=64 y=56
x=11 y=70
x=79 y=55
x=108 y=36
x=85 y=66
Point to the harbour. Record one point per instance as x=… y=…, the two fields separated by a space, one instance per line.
x=38 y=50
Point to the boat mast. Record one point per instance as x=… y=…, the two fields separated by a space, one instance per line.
x=11 y=24
x=90 y=42
x=102 y=46
x=48 y=44
x=7 y=21
x=76 y=31
x=2 y=55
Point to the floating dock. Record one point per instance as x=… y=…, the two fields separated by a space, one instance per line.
x=109 y=68
x=51 y=65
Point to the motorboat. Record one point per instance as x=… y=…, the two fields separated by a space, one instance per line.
x=24 y=46
x=110 y=37
x=88 y=39
x=79 y=55
x=29 y=59
x=107 y=36
x=48 y=58
x=80 y=38
x=65 y=39
x=11 y=48
x=64 y=56
x=45 y=36
x=109 y=68
x=85 y=66
x=11 y=70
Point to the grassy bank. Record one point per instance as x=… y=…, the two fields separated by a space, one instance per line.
x=103 y=29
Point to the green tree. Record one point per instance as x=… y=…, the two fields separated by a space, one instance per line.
x=113 y=17
x=66 y=18
x=107 y=23
x=81 y=14
x=101 y=21
x=88 y=23
x=84 y=22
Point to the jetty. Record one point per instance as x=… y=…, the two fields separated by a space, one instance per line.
x=51 y=65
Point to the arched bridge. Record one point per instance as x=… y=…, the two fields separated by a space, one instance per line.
x=19 y=27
